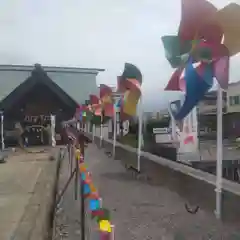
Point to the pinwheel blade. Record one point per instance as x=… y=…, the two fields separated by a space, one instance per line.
x=228 y=18
x=94 y=99
x=175 y=49
x=196 y=87
x=105 y=91
x=221 y=71
x=130 y=85
x=193 y=21
x=173 y=84
x=132 y=72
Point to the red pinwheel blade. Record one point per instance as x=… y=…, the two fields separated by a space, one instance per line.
x=193 y=21
x=173 y=84
x=94 y=99
x=105 y=90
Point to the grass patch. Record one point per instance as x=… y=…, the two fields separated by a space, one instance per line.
x=129 y=139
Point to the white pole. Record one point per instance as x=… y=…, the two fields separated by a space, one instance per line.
x=140 y=120
x=53 y=123
x=173 y=125
x=2 y=136
x=101 y=133
x=113 y=232
x=219 y=155
x=93 y=132
x=78 y=126
x=114 y=131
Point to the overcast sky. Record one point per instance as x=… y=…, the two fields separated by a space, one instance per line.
x=95 y=33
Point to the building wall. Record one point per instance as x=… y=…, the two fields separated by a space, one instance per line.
x=208 y=106
x=233 y=98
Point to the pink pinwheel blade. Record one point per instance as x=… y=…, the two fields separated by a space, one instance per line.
x=109 y=110
x=221 y=71
x=120 y=84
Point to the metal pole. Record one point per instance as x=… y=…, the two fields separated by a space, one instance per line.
x=218 y=189
x=71 y=157
x=65 y=187
x=53 y=123
x=114 y=131
x=76 y=178
x=82 y=206
x=140 y=118
x=82 y=203
x=101 y=133
x=2 y=135
x=93 y=132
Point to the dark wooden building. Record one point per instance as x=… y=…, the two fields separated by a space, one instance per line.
x=38 y=96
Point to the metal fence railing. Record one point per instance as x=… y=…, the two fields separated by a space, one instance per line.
x=94 y=219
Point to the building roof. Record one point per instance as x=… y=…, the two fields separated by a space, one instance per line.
x=51 y=69
x=234 y=83
x=212 y=95
x=38 y=76
x=76 y=82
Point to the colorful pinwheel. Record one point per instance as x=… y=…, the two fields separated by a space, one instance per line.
x=106 y=100
x=129 y=84
x=96 y=105
x=83 y=114
x=207 y=37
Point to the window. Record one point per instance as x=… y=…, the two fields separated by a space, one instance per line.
x=234 y=100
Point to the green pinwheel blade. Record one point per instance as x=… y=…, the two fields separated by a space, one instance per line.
x=175 y=50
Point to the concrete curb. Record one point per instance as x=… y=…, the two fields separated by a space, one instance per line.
x=36 y=223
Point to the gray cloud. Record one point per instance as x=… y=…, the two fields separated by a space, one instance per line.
x=93 y=33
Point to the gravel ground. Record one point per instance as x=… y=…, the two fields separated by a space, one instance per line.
x=139 y=210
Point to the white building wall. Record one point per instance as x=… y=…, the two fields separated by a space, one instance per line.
x=233 y=92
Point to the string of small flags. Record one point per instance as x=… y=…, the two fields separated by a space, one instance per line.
x=90 y=193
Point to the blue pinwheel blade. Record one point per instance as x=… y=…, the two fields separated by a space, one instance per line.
x=196 y=88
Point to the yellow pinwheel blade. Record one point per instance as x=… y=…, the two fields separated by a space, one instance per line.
x=229 y=18
x=130 y=102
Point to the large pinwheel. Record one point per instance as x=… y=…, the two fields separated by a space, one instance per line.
x=129 y=84
x=106 y=100
x=207 y=38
